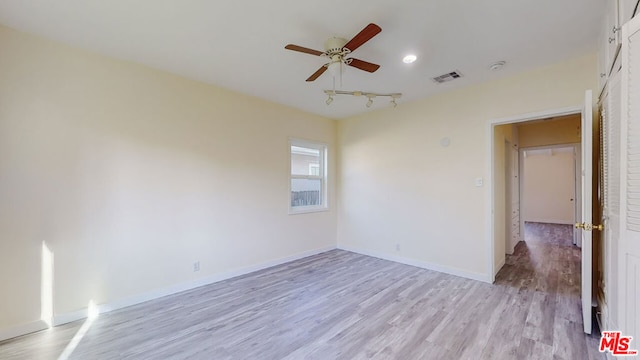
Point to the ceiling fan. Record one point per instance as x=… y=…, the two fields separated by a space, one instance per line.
x=336 y=49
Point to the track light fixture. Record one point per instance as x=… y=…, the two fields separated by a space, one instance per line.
x=370 y=96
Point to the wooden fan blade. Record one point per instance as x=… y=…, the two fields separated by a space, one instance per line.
x=363 y=65
x=303 y=49
x=363 y=36
x=317 y=73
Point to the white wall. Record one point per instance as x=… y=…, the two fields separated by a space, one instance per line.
x=130 y=175
x=397 y=185
x=549 y=186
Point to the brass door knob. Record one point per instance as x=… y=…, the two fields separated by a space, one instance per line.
x=589 y=227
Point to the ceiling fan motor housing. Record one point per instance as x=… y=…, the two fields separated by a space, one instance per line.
x=334 y=46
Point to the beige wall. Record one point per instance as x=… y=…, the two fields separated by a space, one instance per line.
x=549 y=186
x=130 y=175
x=399 y=186
x=563 y=130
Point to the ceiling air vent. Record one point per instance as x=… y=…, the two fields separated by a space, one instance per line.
x=447 y=77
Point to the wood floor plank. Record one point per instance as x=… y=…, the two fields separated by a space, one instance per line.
x=342 y=305
x=569 y=342
x=540 y=319
x=534 y=350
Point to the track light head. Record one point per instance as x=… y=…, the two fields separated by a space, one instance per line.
x=394 y=97
x=329 y=100
x=369 y=103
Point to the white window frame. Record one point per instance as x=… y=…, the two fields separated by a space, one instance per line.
x=323 y=148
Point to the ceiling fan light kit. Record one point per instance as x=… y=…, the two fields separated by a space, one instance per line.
x=335 y=68
x=369 y=95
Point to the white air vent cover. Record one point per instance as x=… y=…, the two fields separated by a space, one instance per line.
x=447 y=77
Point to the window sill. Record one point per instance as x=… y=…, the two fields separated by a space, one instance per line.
x=293 y=211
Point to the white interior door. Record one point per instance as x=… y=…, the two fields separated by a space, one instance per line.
x=577 y=235
x=629 y=251
x=610 y=116
x=587 y=146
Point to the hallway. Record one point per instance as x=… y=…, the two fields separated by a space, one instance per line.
x=545 y=271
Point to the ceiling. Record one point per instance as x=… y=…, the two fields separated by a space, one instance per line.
x=239 y=44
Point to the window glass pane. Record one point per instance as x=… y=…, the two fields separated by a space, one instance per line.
x=305 y=161
x=306 y=192
x=314 y=169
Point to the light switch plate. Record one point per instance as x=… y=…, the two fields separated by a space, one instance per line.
x=479 y=181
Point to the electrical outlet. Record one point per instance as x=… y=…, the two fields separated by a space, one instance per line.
x=397 y=247
x=196 y=266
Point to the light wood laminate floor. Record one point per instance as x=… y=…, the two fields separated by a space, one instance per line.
x=341 y=305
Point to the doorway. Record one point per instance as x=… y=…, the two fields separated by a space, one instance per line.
x=496 y=132
x=550 y=186
x=550 y=141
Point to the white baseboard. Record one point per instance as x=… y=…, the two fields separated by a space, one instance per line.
x=64 y=318
x=69 y=317
x=421 y=264
x=15 y=331
x=550 y=221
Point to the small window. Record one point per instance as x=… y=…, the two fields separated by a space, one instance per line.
x=308 y=182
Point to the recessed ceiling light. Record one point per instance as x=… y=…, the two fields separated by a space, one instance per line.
x=498 y=65
x=409 y=59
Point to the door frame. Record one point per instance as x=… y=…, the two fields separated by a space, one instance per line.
x=490 y=191
x=508 y=196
